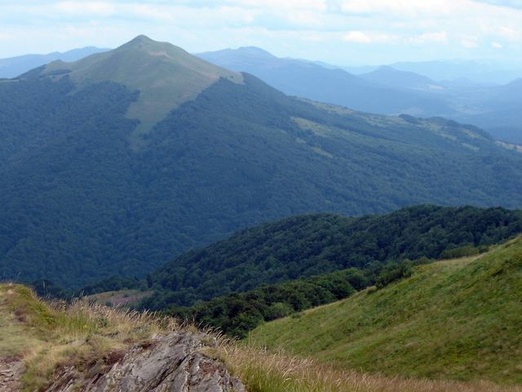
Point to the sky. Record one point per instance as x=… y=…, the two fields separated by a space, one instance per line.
x=339 y=32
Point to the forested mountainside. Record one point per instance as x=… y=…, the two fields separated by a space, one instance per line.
x=115 y=164
x=312 y=245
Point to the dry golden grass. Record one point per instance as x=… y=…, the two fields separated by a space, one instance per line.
x=84 y=333
x=48 y=335
x=265 y=371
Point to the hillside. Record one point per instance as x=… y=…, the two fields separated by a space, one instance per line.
x=310 y=245
x=89 y=347
x=165 y=76
x=117 y=163
x=64 y=347
x=458 y=319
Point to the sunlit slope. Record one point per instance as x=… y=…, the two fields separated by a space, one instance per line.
x=457 y=319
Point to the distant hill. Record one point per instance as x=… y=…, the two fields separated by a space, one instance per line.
x=498 y=110
x=457 y=319
x=327 y=84
x=462 y=91
x=117 y=163
x=15 y=66
x=448 y=70
x=389 y=76
x=311 y=245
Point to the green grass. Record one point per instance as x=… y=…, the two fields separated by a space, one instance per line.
x=46 y=336
x=455 y=320
x=264 y=371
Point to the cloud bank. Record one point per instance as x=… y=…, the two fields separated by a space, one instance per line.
x=337 y=31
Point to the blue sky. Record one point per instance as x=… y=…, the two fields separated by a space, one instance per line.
x=341 y=32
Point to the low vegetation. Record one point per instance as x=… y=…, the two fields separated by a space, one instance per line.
x=47 y=336
x=268 y=371
x=457 y=319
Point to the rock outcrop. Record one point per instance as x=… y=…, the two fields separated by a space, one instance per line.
x=170 y=363
x=11 y=369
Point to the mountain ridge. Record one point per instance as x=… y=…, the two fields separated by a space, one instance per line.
x=90 y=194
x=404 y=91
x=164 y=74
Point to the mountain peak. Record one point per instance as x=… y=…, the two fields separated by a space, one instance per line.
x=164 y=74
x=254 y=51
x=141 y=39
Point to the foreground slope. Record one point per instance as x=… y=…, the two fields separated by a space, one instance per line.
x=45 y=347
x=119 y=162
x=88 y=347
x=457 y=319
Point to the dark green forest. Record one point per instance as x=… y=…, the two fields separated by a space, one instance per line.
x=311 y=245
x=236 y=314
x=83 y=201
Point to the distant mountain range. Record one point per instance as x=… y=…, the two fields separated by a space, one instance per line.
x=474 y=72
x=116 y=163
x=371 y=93
x=393 y=90
x=465 y=91
x=15 y=66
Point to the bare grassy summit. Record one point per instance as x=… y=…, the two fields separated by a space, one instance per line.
x=164 y=74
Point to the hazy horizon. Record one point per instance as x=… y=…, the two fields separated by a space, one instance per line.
x=344 y=33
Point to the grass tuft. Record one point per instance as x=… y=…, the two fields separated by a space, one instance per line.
x=265 y=371
x=50 y=335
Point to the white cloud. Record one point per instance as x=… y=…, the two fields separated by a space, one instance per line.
x=469 y=42
x=362 y=37
x=510 y=34
x=83 y=8
x=434 y=37
x=395 y=8
x=320 y=29
x=517 y=4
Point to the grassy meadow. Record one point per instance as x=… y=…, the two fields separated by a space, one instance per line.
x=452 y=320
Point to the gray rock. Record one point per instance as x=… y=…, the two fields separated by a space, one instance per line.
x=170 y=363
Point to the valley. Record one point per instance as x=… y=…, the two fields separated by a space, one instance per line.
x=101 y=180
x=284 y=241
